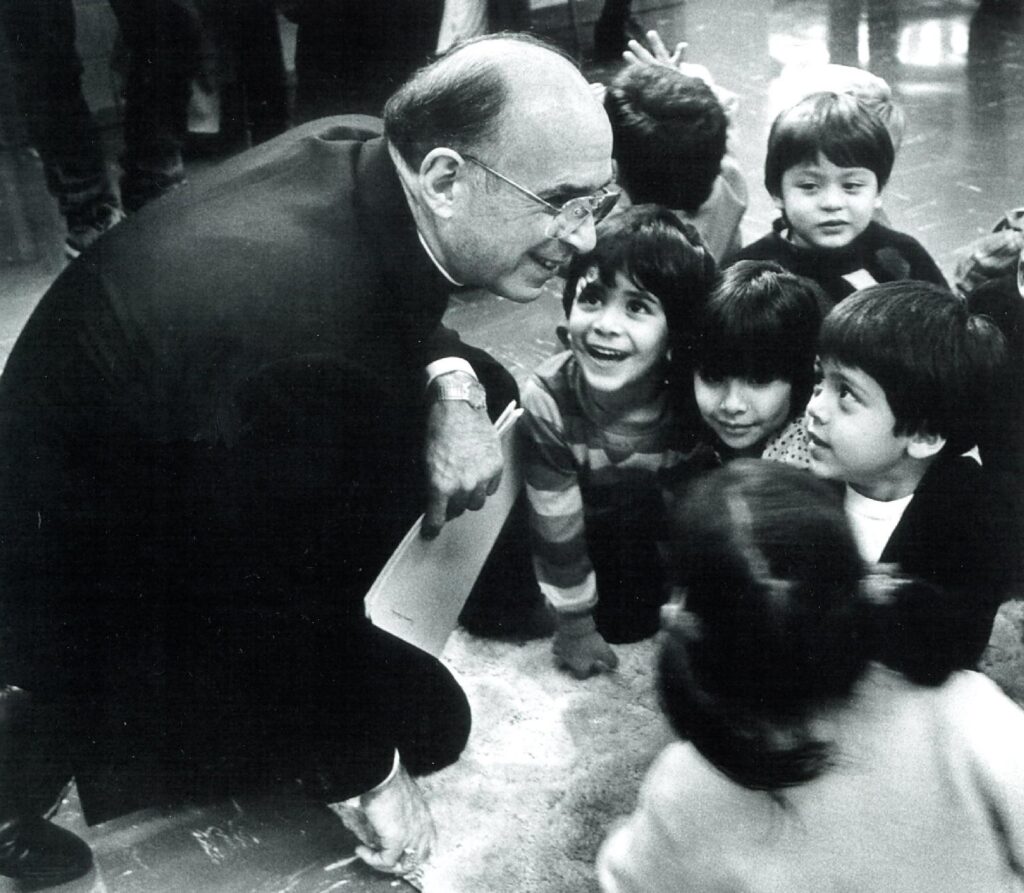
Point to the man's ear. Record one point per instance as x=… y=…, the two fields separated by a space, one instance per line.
x=924 y=445
x=437 y=175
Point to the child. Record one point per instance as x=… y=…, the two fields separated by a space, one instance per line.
x=828 y=160
x=827 y=77
x=906 y=380
x=670 y=132
x=604 y=438
x=821 y=750
x=754 y=361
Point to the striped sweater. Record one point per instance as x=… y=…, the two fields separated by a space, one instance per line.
x=580 y=463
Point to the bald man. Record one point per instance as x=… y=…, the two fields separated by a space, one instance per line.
x=218 y=422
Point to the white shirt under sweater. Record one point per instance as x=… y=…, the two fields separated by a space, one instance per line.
x=873 y=521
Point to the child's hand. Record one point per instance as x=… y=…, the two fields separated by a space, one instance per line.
x=658 y=54
x=579 y=647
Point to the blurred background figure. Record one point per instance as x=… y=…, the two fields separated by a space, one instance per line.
x=350 y=55
x=162 y=38
x=614 y=27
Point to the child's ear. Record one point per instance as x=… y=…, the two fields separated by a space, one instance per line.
x=437 y=180
x=777 y=201
x=925 y=445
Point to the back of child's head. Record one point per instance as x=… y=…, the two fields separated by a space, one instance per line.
x=669 y=133
x=874 y=92
x=836 y=125
x=658 y=253
x=938 y=364
x=761 y=323
x=779 y=623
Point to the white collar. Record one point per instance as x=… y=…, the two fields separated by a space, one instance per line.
x=436 y=262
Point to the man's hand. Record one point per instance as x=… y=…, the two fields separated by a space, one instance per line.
x=463 y=459
x=581 y=649
x=402 y=826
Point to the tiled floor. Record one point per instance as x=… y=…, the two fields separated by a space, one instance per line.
x=958 y=71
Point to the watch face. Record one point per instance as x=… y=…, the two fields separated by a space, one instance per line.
x=472 y=392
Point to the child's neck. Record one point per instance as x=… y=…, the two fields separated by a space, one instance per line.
x=900 y=481
x=638 y=404
x=726 y=453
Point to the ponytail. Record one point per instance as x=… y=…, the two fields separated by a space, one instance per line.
x=781 y=623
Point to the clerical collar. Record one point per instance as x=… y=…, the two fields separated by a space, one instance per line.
x=437 y=263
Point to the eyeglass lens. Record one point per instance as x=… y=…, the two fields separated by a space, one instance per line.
x=574 y=213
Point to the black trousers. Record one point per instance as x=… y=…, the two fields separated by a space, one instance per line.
x=189 y=617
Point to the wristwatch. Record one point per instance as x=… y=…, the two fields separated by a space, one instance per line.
x=460 y=386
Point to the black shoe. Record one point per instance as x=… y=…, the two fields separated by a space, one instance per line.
x=42 y=853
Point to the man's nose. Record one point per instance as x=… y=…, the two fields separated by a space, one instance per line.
x=584 y=237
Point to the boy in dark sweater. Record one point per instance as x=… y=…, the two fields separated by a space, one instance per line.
x=906 y=380
x=829 y=157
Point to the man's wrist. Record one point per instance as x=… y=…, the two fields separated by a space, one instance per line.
x=396 y=764
x=458 y=386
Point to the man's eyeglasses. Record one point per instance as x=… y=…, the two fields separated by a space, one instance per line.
x=569 y=217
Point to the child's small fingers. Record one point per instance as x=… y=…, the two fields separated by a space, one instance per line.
x=657 y=44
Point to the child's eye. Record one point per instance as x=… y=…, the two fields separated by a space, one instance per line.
x=853 y=187
x=846 y=395
x=807 y=187
x=588 y=297
x=637 y=306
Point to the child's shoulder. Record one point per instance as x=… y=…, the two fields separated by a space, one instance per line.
x=880 y=234
x=789 y=445
x=770 y=246
x=985 y=716
x=550 y=390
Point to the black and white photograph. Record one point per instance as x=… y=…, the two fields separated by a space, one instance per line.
x=512 y=446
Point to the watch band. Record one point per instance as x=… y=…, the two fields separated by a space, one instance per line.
x=459 y=386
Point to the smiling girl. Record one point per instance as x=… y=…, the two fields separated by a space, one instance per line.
x=607 y=434
x=754 y=362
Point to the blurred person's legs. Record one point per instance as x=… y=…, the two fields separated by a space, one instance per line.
x=248 y=73
x=163 y=40
x=613 y=29
x=844 y=31
x=41 y=35
x=351 y=55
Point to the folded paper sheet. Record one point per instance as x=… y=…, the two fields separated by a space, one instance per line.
x=421 y=590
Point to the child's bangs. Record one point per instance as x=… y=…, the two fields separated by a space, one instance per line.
x=840 y=128
x=752 y=347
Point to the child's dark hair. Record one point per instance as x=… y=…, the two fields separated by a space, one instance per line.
x=669 y=133
x=658 y=253
x=780 y=623
x=761 y=323
x=938 y=364
x=838 y=126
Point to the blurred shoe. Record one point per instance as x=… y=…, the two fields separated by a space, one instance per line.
x=41 y=853
x=140 y=185
x=83 y=232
